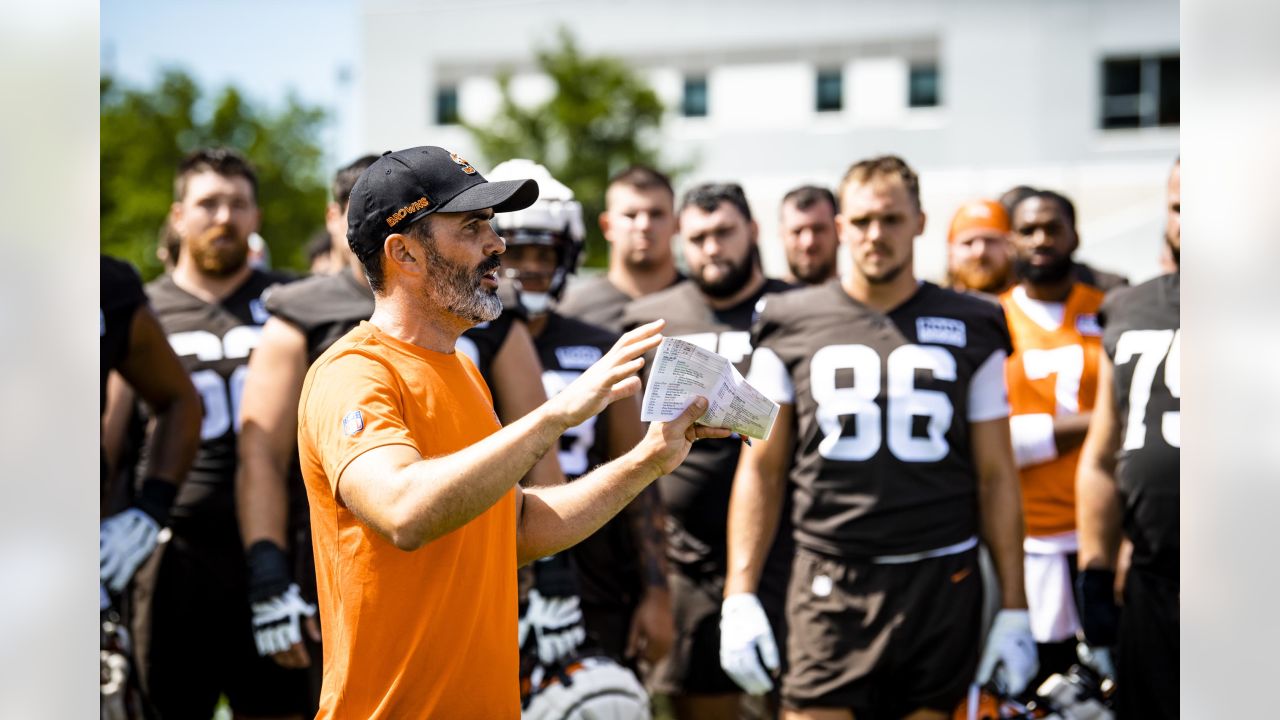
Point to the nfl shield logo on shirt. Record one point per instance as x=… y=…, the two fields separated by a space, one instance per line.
x=353 y=422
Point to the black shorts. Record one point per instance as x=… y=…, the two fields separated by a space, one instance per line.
x=882 y=640
x=196 y=640
x=693 y=665
x=1147 y=652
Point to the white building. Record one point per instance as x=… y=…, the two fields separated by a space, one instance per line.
x=1079 y=96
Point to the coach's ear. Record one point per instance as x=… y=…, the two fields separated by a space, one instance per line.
x=403 y=256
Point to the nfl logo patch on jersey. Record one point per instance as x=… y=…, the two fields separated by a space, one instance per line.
x=1088 y=326
x=353 y=422
x=941 y=331
x=577 y=357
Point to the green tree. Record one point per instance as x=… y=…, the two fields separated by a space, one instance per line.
x=601 y=118
x=145 y=132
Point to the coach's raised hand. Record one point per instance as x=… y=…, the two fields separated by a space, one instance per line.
x=611 y=378
x=667 y=444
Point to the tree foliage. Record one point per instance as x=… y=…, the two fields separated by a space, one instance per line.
x=145 y=132
x=601 y=118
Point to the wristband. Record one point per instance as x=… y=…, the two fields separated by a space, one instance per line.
x=156 y=499
x=269 y=574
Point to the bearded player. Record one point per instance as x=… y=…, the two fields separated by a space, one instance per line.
x=713 y=309
x=894 y=433
x=1052 y=376
x=199 y=642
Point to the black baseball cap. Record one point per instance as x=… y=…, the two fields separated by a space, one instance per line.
x=403 y=187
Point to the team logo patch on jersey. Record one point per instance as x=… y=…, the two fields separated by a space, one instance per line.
x=1088 y=326
x=941 y=331
x=577 y=357
x=258 y=309
x=353 y=422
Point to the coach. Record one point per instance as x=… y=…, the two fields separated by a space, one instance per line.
x=417 y=519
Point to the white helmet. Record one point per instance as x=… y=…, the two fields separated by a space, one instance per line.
x=591 y=688
x=555 y=220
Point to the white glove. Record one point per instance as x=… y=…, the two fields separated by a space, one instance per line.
x=125 y=541
x=745 y=640
x=277 y=622
x=556 y=623
x=1010 y=654
x=1097 y=658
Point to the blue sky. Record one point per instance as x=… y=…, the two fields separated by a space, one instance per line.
x=266 y=49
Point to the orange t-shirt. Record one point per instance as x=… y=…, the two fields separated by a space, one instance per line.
x=423 y=634
x=1053 y=372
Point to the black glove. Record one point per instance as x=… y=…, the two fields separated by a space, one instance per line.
x=269 y=574
x=1099 y=614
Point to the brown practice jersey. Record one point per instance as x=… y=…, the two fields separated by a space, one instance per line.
x=213 y=340
x=607 y=561
x=883 y=462
x=696 y=493
x=1142 y=337
x=1052 y=372
x=599 y=302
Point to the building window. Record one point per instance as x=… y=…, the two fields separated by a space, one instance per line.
x=694 y=103
x=830 y=90
x=922 y=85
x=1139 y=91
x=447 y=105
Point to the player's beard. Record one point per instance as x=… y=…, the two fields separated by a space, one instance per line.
x=219 y=251
x=733 y=280
x=459 y=289
x=813 y=273
x=1175 y=248
x=1053 y=272
x=982 y=276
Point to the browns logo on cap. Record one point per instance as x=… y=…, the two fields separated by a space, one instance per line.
x=466 y=166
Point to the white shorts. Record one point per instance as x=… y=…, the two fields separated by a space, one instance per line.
x=1050 y=595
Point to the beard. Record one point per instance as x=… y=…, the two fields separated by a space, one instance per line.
x=733 y=280
x=982 y=276
x=1175 y=248
x=1055 y=271
x=459 y=290
x=212 y=256
x=814 y=273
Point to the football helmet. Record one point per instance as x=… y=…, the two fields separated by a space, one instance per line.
x=1080 y=694
x=589 y=688
x=554 y=220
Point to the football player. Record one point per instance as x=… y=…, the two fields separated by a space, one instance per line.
x=979 y=256
x=1087 y=274
x=1052 y=376
x=199 y=642
x=306 y=318
x=1127 y=485
x=713 y=309
x=134 y=347
x=807 y=225
x=621 y=569
x=639 y=222
x=894 y=433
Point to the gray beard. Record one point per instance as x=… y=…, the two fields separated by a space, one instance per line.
x=458 y=290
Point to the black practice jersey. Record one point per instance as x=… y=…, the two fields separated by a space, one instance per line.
x=121 y=295
x=883 y=463
x=696 y=493
x=1142 y=337
x=213 y=341
x=608 y=560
